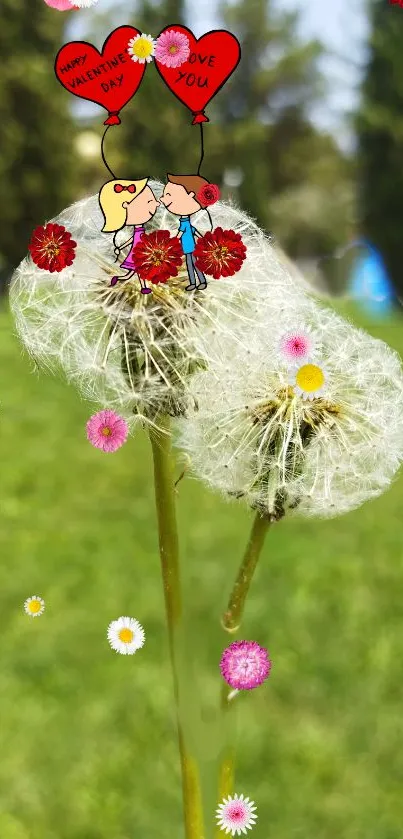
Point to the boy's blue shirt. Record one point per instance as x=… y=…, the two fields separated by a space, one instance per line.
x=188 y=240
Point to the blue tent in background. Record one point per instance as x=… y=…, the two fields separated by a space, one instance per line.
x=368 y=280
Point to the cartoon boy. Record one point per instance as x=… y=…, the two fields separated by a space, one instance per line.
x=183 y=196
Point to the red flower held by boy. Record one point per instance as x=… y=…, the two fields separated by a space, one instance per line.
x=220 y=253
x=52 y=248
x=158 y=256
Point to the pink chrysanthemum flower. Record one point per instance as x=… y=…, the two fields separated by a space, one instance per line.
x=61 y=5
x=107 y=431
x=173 y=48
x=296 y=345
x=236 y=815
x=245 y=665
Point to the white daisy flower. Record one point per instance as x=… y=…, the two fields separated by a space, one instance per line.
x=308 y=380
x=34 y=606
x=83 y=4
x=142 y=48
x=235 y=815
x=126 y=635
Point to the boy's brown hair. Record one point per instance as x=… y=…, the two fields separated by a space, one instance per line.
x=192 y=183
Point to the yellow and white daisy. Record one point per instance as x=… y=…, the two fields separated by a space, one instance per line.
x=309 y=380
x=34 y=606
x=126 y=635
x=142 y=48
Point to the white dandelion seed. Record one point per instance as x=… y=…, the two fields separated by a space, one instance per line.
x=256 y=437
x=235 y=815
x=133 y=353
x=34 y=606
x=126 y=635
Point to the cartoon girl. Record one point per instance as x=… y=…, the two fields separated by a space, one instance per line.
x=125 y=203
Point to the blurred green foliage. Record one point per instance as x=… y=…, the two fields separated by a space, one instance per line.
x=380 y=132
x=89 y=738
x=37 y=163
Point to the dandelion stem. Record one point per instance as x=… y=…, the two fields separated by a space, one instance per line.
x=231 y=622
x=236 y=604
x=169 y=553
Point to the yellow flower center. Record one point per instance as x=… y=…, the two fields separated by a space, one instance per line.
x=142 y=48
x=35 y=606
x=310 y=378
x=173 y=49
x=157 y=256
x=219 y=254
x=51 y=248
x=126 y=635
x=106 y=431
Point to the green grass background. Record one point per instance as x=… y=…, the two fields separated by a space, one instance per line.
x=88 y=739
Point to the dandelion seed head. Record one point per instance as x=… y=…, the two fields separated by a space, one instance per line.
x=132 y=353
x=257 y=437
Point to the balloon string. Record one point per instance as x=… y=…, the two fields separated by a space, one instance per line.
x=103 y=153
x=201 y=148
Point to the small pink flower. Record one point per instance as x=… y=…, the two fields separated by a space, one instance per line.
x=245 y=665
x=107 y=431
x=61 y=5
x=236 y=815
x=173 y=48
x=296 y=345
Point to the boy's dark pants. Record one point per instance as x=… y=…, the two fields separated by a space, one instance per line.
x=194 y=272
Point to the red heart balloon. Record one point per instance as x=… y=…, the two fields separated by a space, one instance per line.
x=212 y=60
x=109 y=78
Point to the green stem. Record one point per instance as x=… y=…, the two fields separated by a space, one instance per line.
x=236 y=604
x=231 y=622
x=169 y=553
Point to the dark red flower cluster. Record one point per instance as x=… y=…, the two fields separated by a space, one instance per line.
x=52 y=248
x=220 y=253
x=208 y=195
x=158 y=256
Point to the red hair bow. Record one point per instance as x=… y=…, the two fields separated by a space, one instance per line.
x=120 y=188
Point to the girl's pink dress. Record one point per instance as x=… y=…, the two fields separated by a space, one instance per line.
x=129 y=261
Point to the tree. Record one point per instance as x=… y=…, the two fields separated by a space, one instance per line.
x=36 y=163
x=313 y=201
x=380 y=134
x=277 y=72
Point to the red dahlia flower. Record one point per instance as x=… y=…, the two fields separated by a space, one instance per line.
x=158 y=256
x=208 y=195
x=52 y=248
x=220 y=253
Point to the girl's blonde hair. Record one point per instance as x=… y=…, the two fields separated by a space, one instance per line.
x=111 y=202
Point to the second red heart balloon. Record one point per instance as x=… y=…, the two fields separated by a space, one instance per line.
x=211 y=61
